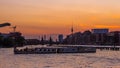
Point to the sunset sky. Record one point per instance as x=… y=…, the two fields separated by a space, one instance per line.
x=56 y=16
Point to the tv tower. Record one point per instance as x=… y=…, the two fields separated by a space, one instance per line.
x=72 y=30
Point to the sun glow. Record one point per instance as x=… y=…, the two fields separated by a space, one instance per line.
x=56 y=16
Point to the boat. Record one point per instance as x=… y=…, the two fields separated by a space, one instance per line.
x=55 y=50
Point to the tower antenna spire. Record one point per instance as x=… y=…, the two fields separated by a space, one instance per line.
x=72 y=30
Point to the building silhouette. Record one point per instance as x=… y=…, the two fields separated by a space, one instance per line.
x=94 y=37
x=60 y=38
x=100 y=35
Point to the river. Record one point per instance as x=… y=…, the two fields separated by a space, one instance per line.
x=100 y=59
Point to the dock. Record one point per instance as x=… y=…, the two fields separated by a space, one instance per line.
x=101 y=47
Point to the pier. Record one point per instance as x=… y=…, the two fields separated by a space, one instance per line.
x=101 y=47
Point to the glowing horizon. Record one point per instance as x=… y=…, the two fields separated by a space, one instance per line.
x=56 y=16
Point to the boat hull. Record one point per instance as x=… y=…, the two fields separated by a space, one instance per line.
x=55 y=50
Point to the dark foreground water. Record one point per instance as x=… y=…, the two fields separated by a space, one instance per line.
x=101 y=59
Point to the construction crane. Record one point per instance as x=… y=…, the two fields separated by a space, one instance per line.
x=5 y=24
x=14 y=28
x=8 y=24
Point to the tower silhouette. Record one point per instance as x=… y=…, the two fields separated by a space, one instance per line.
x=72 y=38
x=72 y=28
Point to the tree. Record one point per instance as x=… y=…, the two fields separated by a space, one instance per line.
x=19 y=40
x=1 y=41
x=8 y=42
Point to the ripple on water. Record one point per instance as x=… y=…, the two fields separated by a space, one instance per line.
x=101 y=59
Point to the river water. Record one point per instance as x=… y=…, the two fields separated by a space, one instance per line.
x=101 y=59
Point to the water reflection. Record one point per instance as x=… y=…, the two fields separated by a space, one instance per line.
x=101 y=59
